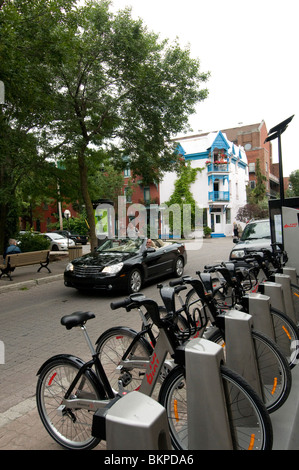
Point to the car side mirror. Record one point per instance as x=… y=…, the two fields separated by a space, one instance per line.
x=236 y=240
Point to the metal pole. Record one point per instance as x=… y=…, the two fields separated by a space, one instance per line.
x=280 y=170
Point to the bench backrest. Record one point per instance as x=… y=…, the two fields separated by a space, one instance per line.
x=30 y=257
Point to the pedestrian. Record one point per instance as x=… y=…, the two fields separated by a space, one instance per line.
x=12 y=248
x=235 y=229
x=240 y=231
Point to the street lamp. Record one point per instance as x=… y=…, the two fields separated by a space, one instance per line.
x=67 y=215
x=275 y=133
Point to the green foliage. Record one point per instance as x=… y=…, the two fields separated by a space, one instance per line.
x=256 y=195
x=293 y=190
x=82 y=83
x=207 y=231
x=32 y=242
x=252 y=211
x=182 y=195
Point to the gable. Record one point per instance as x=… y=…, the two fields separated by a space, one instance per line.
x=220 y=142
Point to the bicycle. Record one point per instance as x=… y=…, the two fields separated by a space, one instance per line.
x=285 y=329
x=201 y=307
x=119 y=350
x=69 y=391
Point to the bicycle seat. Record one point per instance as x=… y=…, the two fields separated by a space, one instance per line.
x=76 y=319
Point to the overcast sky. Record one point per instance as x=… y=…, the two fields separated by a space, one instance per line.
x=250 y=47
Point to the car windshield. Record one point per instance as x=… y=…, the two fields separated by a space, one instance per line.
x=256 y=230
x=56 y=236
x=123 y=244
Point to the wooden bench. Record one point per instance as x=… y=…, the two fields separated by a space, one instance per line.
x=24 y=259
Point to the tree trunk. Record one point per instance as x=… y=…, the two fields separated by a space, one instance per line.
x=87 y=201
x=3 y=218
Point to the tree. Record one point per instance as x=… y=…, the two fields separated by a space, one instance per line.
x=294 y=184
x=83 y=82
x=25 y=54
x=256 y=195
x=120 y=90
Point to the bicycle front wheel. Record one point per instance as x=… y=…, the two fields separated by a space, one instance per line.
x=112 y=346
x=249 y=420
x=286 y=335
x=71 y=428
x=274 y=371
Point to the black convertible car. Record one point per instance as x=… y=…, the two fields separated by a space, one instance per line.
x=125 y=264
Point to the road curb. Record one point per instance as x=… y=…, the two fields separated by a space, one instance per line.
x=31 y=283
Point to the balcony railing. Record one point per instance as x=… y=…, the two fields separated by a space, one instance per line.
x=218 y=195
x=220 y=167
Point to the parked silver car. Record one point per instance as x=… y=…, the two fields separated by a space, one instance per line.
x=58 y=242
x=256 y=235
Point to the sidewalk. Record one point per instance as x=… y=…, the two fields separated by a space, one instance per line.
x=27 y=276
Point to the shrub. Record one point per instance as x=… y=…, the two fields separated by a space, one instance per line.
x=32 y=242
x=207 y=231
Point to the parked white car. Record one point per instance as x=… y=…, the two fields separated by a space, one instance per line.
x=58 y=242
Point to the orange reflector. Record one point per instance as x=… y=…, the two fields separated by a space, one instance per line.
x=251 y=444
x=274 y=386
x=295 y=294
x=286 y=331
x=175 y=406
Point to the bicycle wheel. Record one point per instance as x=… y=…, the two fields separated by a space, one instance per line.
x=274 y=371
x=253 y=431
x=111 y=347
x=295 y=295
x=286 y=335
x=71 y=428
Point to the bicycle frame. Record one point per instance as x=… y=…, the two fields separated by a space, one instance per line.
x=87 y=403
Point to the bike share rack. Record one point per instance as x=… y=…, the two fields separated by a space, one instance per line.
x=292 y=272
x=259 y=308
x=204 y=407
x=239 y=347
x=285 y=282
x=134 y=421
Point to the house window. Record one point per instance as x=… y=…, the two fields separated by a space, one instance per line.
x=252 y=184
x=127 y=172
x=228 y=216
x=251 y=167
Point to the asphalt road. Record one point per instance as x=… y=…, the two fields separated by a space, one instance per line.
x=31 y=333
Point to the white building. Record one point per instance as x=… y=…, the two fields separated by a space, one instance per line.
x=221 y=187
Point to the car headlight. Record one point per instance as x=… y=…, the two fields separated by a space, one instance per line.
x=113 y=269
x=69 y=267
x=237 y=254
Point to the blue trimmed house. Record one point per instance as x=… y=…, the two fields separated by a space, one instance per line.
x=220 y=188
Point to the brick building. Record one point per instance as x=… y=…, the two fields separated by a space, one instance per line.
x=252 y=138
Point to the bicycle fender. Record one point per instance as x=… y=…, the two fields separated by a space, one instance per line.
x=115 y=328
x=70 y=357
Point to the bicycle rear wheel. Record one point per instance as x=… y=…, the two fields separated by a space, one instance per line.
x=274 y=371
x=71 y=428
x=252 y=432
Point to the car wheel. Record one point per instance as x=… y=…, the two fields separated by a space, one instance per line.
x=179 y=267
x=134 y=281
x=55 y=248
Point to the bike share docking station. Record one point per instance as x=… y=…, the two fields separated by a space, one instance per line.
x=134 y=421
x=284 y=223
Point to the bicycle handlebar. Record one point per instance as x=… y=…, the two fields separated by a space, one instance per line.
x=137 y=301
